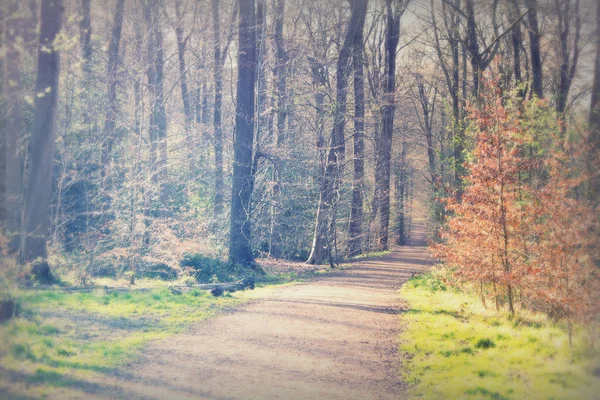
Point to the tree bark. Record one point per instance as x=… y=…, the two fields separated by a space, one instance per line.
x=39 y=176
x=325 y=220
x=240 y=251
x=401 y=195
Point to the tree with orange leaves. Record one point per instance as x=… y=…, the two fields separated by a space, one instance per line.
x=518 y=226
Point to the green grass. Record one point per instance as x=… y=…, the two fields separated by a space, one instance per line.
x=373 y=254
x=66 y=339
x=454 y=348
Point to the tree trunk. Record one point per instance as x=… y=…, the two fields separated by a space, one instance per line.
x=568 y=65
x=3 y=138
x=188 y=113
x=356 y=211
x=218 y=133
x=279 y=75
x=14 y=128
x=240 y=251
x=401 y=196
x=85 y=36
x=593 y=165
x=111 y=111
x=534 y=40
x=514 y=12
x=39 y=176
x=392 y=37
x=325 y=223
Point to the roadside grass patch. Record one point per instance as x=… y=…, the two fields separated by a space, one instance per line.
x=456 y=348
x=68 y=339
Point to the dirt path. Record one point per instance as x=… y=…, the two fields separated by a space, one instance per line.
x=332 y=338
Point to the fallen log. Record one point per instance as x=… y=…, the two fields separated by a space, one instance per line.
x=226 y=287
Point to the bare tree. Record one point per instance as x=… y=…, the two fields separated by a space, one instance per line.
x=240 y=250
x=39 y=176
x=356 y=210
x=594 y=123
x=85 y=35
x=111 y=110
x=394 y=11
x=188 y=112
x=219 y=59
x=569 y=51
x=14 y=128
x=325 y=220
x=534 y=42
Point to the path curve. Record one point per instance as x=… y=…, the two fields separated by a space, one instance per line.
x=331 y=338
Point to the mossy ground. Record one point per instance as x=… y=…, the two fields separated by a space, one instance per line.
x=455 y=348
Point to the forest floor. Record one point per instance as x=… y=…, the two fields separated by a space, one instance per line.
x=333 y=337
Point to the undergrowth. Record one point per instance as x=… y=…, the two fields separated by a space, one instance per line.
x=456 y=348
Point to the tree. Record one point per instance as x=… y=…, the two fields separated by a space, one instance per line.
x=188 y=113
x=384 y=145
x=569 y=52
x=325 y=220
x=157 y=125
x=356 y=210
x=85 y=35
x=240 y=250
x=14 y=123
x=530 y=240
x=279 y=78
x=218 y=60
x=534 y=43
x=111 y=110
x=39 y=176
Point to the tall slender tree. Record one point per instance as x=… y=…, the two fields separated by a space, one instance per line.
x=356 y=210
x=14 y=123
x=112 y=106
x=188 y=112
x=593 y=166
x=394 y=11
x=325 y=219
x=39 y=176
x=240 y=250
x=534 y=43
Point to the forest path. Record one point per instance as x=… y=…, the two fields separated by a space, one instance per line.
x=332 y=338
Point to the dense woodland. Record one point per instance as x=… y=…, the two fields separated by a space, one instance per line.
x=138 y=136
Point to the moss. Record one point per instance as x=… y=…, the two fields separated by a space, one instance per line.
x=65 y=337
x=456 y=348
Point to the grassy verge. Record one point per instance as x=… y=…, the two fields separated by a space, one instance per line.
x=65 y=340
x=456 y=348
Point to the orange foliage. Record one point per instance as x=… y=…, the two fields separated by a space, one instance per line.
x=519 y=225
